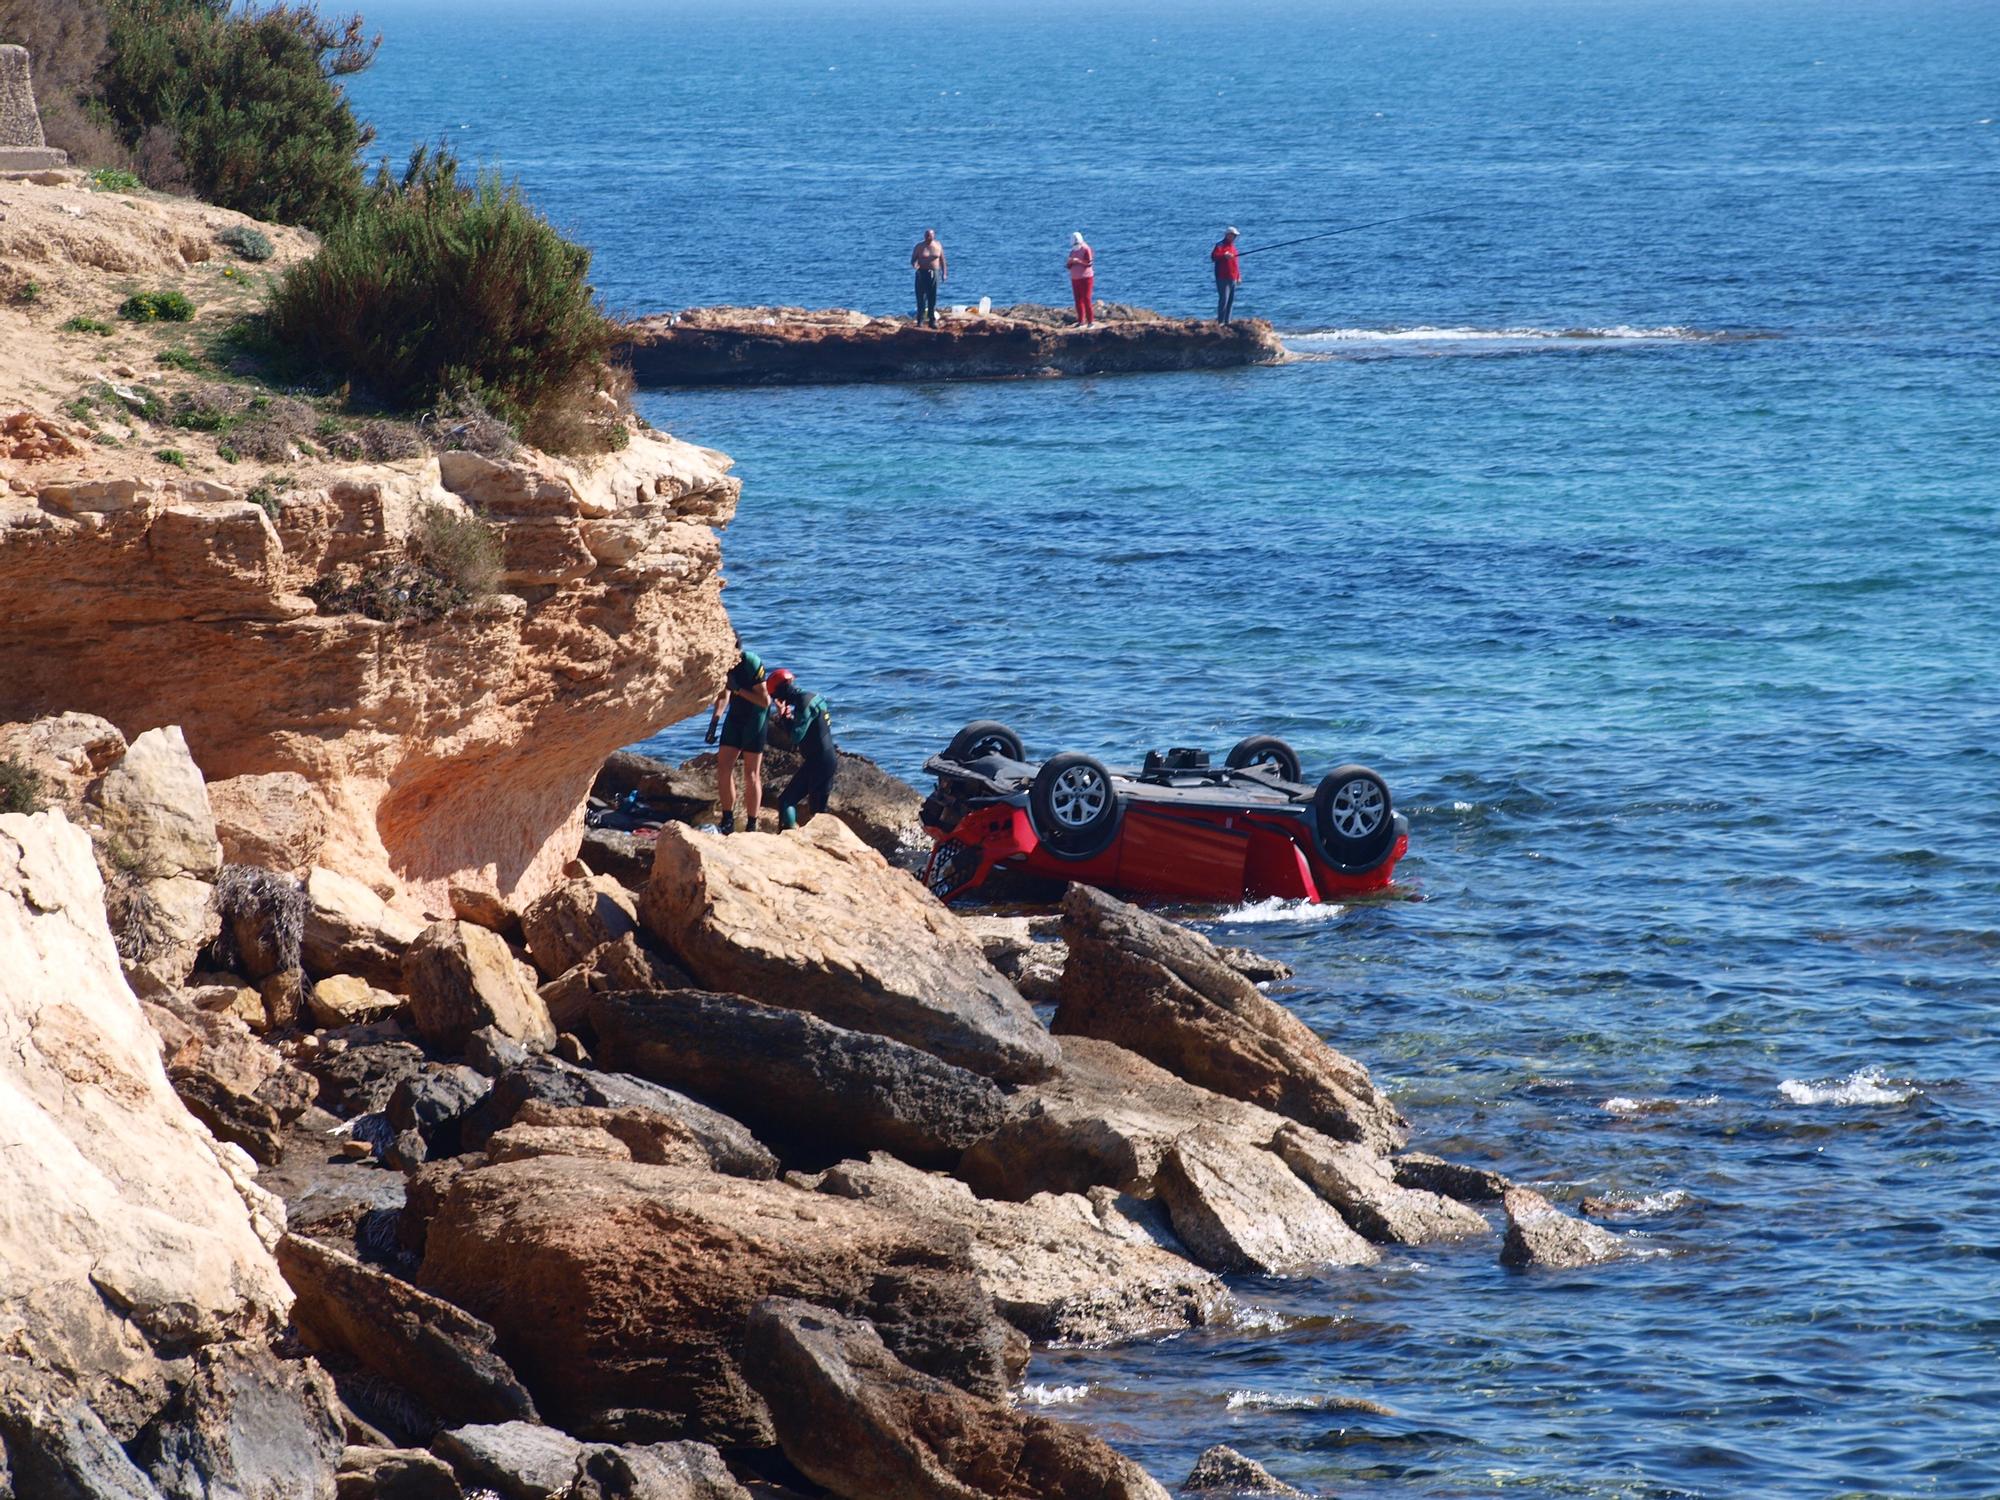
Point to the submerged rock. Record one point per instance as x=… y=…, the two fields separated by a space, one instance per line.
x=817 y=921
x=1540 y=1234
x=1363 y=1187
x=1450 y=1179
x=1222 y=1470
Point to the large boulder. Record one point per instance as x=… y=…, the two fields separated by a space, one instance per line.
x=1540 y=1234
x=347 y=1000
x=68 y=751
x=461 y=977
x=349 y=929
x=1237 y=1208
x=130 y=1239
x=1051 y=1268
x=437 y=1353
x=1106 y=1119
x=1363 y=1187
x=817 y=921
x=271 y=821
x=623 y=965
x=242 y=1090
x=619 y=1291
x=155 y=810
x=1164 y=992
x=856 y=1419
x=519 y=1461
x=812 y=1089
x=571 y=922
x=644 y=1108
x=246 y=1423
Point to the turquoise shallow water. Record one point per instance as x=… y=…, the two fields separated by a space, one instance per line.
x=1678 y=650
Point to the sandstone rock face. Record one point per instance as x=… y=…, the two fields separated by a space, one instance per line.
x=858 y=1420
x=1164 y=992
x=571 y=922
x=461 y=977
x=817 y=921
x=458 y=750
x=395 y=1474
x=273 y=821
x=343 y=1000
x=808 y=1087
x=126 y=1225
x=69 y=751
x=155 y=809
x=1050 y=1267
x=1363 y=1187
x=623 y=965
x=1540 y=1234
x=242 y=1090
x=438 y=1354
x=1237 y=1208
x=617 y=1286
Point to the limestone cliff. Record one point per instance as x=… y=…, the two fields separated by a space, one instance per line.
x=451 y=752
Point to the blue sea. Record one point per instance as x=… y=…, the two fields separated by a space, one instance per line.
x=1636 y=514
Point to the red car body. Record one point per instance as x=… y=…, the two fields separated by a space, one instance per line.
x=1174 y=829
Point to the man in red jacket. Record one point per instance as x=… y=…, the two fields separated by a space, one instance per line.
x=1228 y=275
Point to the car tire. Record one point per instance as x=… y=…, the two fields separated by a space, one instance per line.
x=1353 y=816
x=1075 y=806
x=984 y=737
x=1266 y=750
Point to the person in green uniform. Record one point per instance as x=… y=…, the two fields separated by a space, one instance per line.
x=743 y=709
x=807 y=726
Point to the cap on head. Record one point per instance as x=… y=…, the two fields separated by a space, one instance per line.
x=780 y=680
x=1076 y=237
x=1229 y=233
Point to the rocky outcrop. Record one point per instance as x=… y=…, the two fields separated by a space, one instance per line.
x=1222 y=1470
x=272 y=822
x=137 y=1284
x=571 y=922
x=519 y=1461
x=1237 y=1208
x=1451 y=1179
x=817 y=921
x=457 y=751
x=861 y=1422
x=791 y=346
x=619 y=1291
x=349 y=929
x=626 y=964
x=812 y=1089
x=1540 y=1234
x=1363 y=1187
x=1049 y=1265
x=1163 y=991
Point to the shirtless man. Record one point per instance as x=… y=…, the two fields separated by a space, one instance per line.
x=928 y=258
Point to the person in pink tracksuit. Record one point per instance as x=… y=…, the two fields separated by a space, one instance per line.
x=1082 y=278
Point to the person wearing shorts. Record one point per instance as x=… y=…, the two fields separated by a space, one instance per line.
x=744 y=705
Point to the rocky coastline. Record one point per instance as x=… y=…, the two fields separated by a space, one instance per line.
x=796 y=346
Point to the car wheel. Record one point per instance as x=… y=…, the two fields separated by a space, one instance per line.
x=1074 y=805
x=983 y=737
x=1266 y=750
x=1353 y=815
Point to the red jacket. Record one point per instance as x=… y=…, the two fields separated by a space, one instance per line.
x=1224 y=256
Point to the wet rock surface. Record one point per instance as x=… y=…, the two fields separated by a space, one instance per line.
x=1363 y=1187
x=1540 y=1234
x=1221 y=1470
x=1238 y=1208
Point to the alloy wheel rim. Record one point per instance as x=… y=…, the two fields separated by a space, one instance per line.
x=1357 y=808
x=1078 y=797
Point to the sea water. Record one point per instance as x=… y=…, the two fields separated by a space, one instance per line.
x=1634 y=515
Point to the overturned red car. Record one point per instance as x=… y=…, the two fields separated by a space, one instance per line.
x=1176 y=827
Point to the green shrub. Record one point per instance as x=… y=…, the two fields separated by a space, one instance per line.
x=265 y=499
x=28 y=291
x=172 y=456
x=433 y=286
x=181 y=359
x=115 y=180
x=81 y=324
x=21 y=789
x=227 y=454
x=453 y=559
x=247 y=99
x=156 y=307
x=251 y=244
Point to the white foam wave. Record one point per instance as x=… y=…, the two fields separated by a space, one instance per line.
x=1869 y=1085
x=1040 y=1394
x=1260 y=1320
x=1618 y=1104
x=1427 y=334
x=1277 y=909
x=1273 y=1401
x=1660 y=1203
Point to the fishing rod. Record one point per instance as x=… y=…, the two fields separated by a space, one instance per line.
x=1430 y=213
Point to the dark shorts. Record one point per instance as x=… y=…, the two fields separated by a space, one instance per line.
x=745 y=728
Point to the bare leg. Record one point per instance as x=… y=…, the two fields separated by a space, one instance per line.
x=725 y=779
x=753 y=787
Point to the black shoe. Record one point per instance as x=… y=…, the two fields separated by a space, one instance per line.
x=728 y=822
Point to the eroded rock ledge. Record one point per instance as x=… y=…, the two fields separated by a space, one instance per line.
x=448 y=753
x=794 y=346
